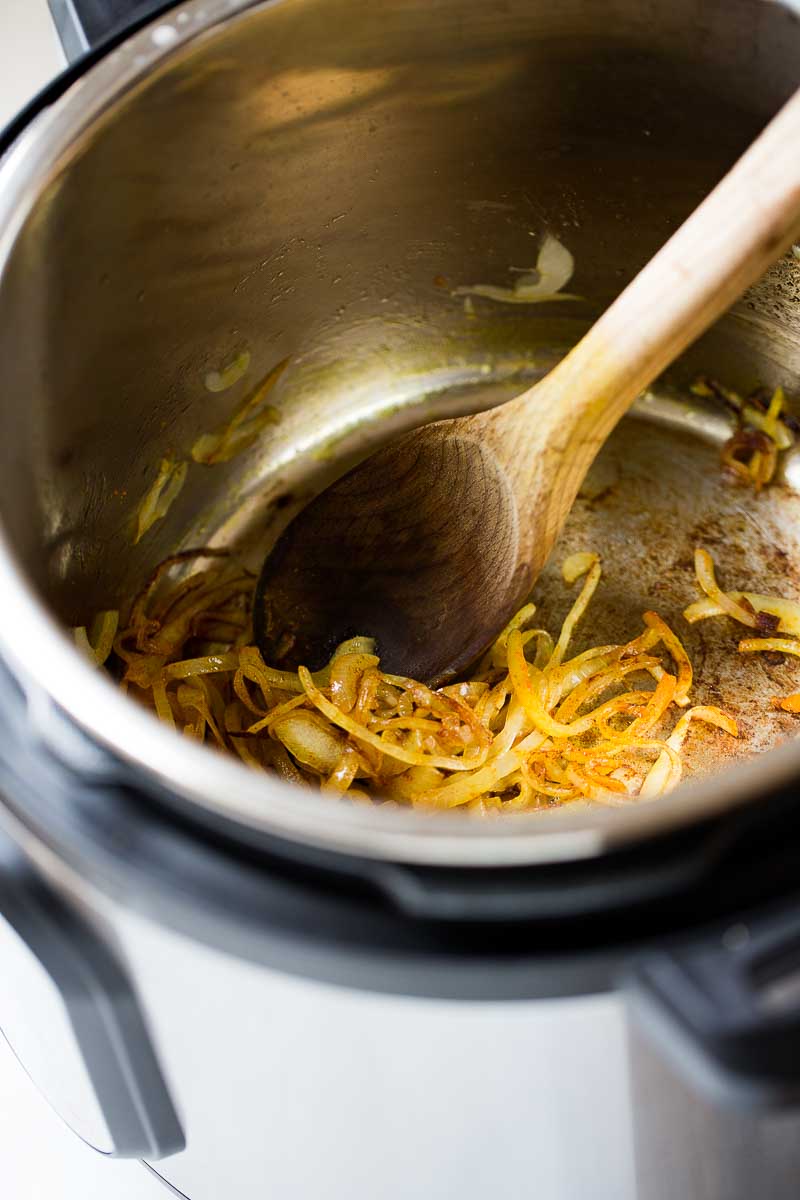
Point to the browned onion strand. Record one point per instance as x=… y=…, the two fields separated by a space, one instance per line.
x=765 y=615
x=531 y=728
x=764 y=429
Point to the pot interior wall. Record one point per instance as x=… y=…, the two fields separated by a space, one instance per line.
x=311 y=183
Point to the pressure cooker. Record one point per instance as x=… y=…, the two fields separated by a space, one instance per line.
x=252 y=988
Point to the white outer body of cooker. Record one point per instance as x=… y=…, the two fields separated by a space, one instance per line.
x=290 y=1089
x=295 y=1090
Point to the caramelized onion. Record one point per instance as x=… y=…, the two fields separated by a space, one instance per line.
x=310 y=740
x=529 y=729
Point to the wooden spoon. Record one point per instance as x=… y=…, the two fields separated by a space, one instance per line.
x=431 y=544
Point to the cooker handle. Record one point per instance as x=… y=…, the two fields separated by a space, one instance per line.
x=115 y=1065
x=728 y=1009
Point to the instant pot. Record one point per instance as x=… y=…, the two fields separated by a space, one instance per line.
x=255 y=990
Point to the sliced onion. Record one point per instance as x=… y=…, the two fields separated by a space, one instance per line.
x=246 y=425
x=665 y=772
x=100 y=644
x=346 y=671
x=527 y=682
x=578 y=564
x=777 y=645
x=516 y=736
x=310 y=740
x=677 y=652
x=209 y=664
x=413 y=758
x=231 y=373
x=164 y=492
x=704 y=568
x=553 y=270
x=576 y=612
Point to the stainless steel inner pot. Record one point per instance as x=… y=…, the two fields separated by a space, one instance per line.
x=313 y=179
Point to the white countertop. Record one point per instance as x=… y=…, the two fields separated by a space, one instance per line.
x=40 y=1159
x=30 y=53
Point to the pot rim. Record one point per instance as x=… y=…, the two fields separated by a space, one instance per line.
x=218 y=786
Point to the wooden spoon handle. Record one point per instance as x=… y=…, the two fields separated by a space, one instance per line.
x=742 y=227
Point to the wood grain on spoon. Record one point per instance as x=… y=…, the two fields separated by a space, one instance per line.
x=430 y=545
